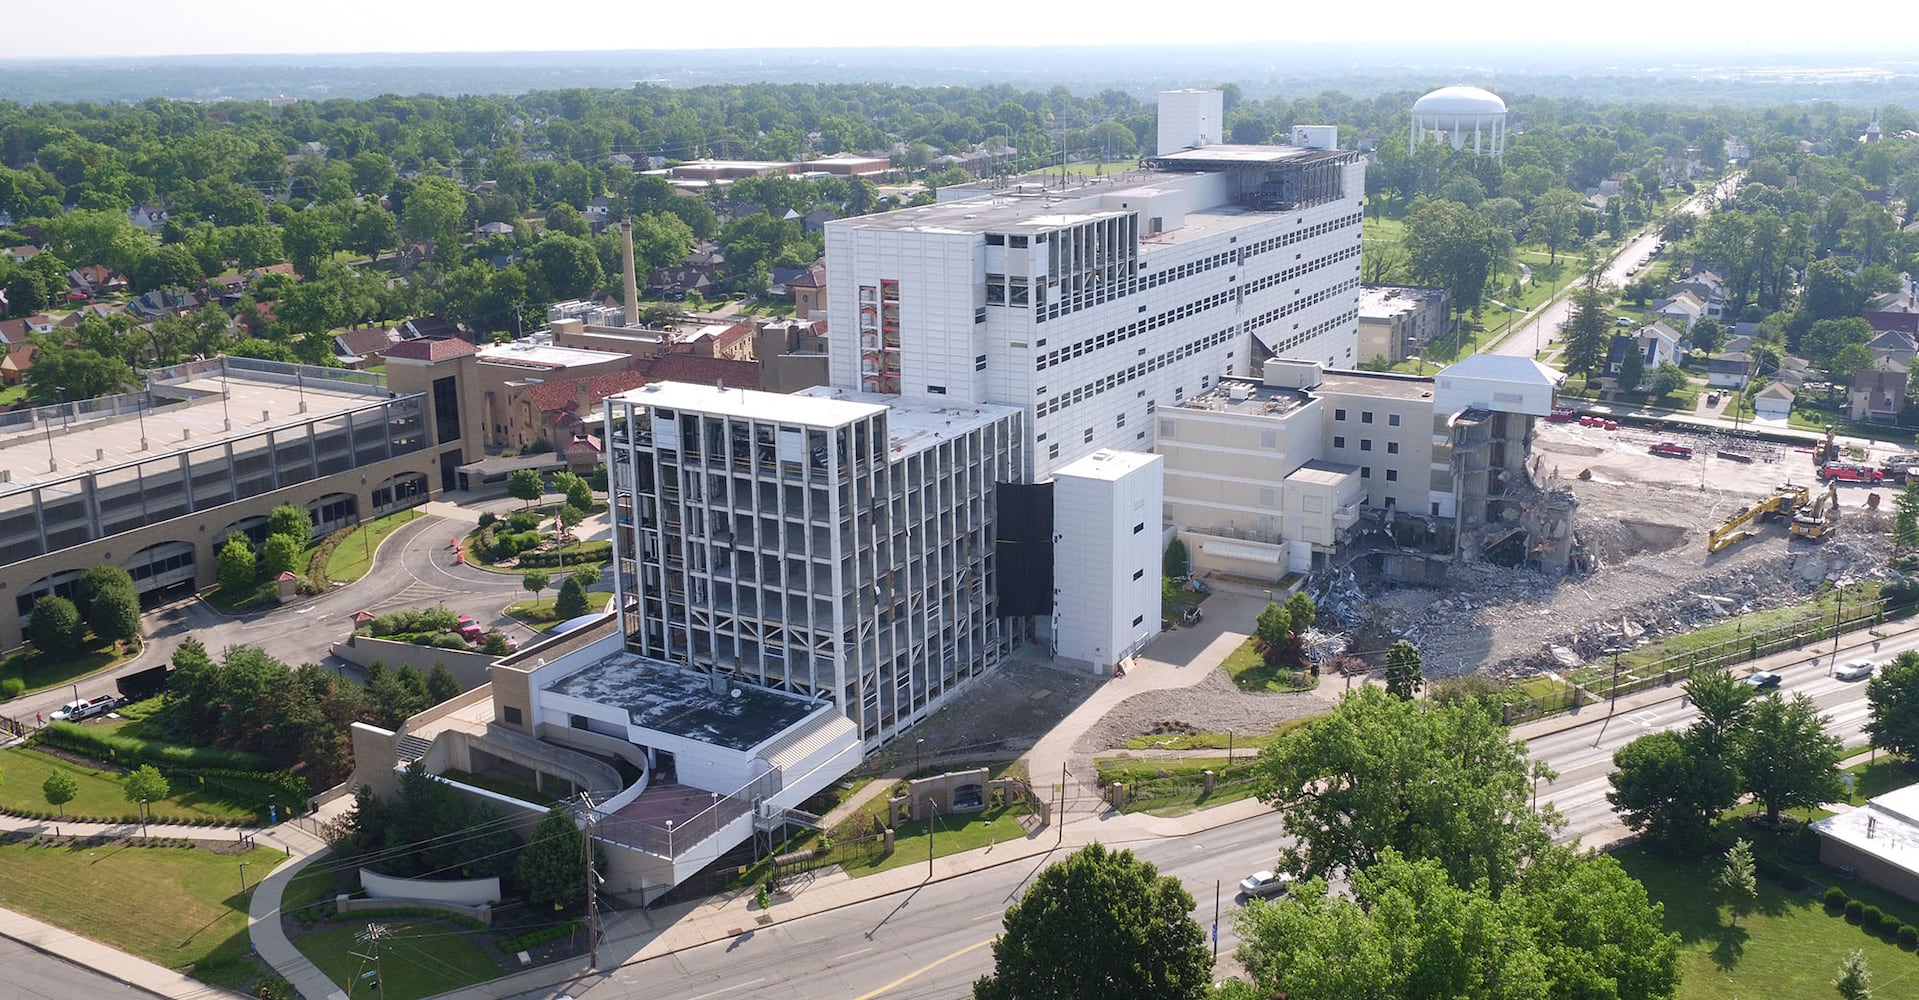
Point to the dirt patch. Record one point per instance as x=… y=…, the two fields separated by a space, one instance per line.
x=1001 y=716
x=1213 y=705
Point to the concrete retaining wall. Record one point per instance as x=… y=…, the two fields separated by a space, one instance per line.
x=347 y=904
x=469 y=892
x=470 y=669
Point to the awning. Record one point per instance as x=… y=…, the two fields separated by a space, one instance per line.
x=1244 y=551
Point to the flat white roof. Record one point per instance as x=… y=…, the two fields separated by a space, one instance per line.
x=752 y=404
x=532 y=355
x=913 y=424
x=1106 y=465
x=95 y=443
x=1886 y=827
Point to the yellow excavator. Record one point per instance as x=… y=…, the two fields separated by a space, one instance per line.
x=1818 y=519
x=1785 y=499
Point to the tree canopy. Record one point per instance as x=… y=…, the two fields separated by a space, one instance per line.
x=1097 y=925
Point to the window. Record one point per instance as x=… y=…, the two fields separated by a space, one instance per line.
x=937 y=390
x=1122 y=420
x=1089 y=435
x=1339 y=442
x=979 y=363
x=1017 y=242
x=996 y=289
x=511 y=715
x=1392 y=447
x=1365 y=416
x=1052 y=451
x=1339 y=414
x=1392 y=420
x=1365 y=472
x=995 y=240
x=1138 y=573
x=1016 y=292
x=1137 y=528
x=1392 y=475
x=1138 y=618
x=1365 y=444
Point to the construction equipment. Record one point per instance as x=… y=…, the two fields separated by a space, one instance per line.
x=1816 y=520
x=1827 y=450
x=1785 y=499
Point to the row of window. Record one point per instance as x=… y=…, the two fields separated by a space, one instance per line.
x=1303 y=302
x=1297 y=270
x=1317 y=229
x=1280 y=349
x=1366 y=417
x=1366 y=444
x=1187 y=270
x=1129 y=331
x=1057 y=403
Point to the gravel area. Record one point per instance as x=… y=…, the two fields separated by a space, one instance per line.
x=1213 y=705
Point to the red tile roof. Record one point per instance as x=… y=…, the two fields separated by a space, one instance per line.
x=564 y=394
x=431 y=349
x=704 y=371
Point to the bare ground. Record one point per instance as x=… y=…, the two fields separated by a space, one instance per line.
x=1213 y=705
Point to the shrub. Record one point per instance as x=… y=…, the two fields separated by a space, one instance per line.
x=1855 y=911
x=1869 y=917
x=1908 y=936
x=523 y=520
x=11 y=688
x=1889 y=925
x=1835 y=898
x=55 y=626
x=447 y=640
x=487 y=518
x=534 y=939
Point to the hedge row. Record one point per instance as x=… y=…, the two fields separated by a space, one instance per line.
x=1871 y=919
x=316 y=563
x=109 y=746
x=392 y=912
x=534 y=939
x=589 y=552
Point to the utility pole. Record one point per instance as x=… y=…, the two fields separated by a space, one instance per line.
x=1059 y=815
x=1216 y=920
x=592 y=896
x=371 y=938
x=932 y=813
x=1838 y=613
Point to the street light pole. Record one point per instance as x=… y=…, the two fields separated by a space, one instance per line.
x=143 y=821
x=1838 y=612
x=243 y=875
x=932 y=813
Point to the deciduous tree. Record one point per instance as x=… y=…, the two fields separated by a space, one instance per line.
x=1670 y=792
x=54 y=627
x=1787 y=760
x=237 y=565
x=60 y=788
x=552 y=867
x=1403 y=677
x=293 y=521
x=1427 y=780
x=145 y=783
x=525 y=485
x=1098 y=925
x=1738 y=880
x=1892 y=700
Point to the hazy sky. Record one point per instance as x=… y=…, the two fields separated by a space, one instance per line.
x=189 y=27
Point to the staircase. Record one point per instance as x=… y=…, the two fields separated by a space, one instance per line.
x=411 y=748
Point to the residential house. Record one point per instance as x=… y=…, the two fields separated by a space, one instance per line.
x=1876 y=395
x=816 y=220
x=1897 y=310
x=1729 y=371
x=1774 y=402
x=1655 y=342
x=1682 y=310
x=621 y=160
x=16 y=331
x=100 y=310
x=16 y=362
x=808 y=290
x=165 y=302
x=733 y=341
x=1708 y=287
x=148 y=217
x=20 y=255
x=494 y=229
x=365 y=346
x=1395 y=320
x=1893 y=350
x=95 y=280
x=598 y=213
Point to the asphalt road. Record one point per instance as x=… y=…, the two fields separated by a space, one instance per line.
x=413 y=568
x=932 y=943
x=31 y=975
x=1583 y=756
x=929 y=943
x=1533 y=337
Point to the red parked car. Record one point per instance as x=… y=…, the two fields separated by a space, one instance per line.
x=1561 y=417
x=1672 y=450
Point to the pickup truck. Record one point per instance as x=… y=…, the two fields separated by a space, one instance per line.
x=86 y=708
x=1672 y=450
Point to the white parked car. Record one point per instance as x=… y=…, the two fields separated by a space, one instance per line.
x=1853 y=670
x=1260 y=885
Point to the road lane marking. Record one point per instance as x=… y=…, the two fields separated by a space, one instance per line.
x=916 y=973
x=850 y=954
x=989 y=916
x=729 y=989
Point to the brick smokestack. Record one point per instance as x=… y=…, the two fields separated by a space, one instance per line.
x=632 y=283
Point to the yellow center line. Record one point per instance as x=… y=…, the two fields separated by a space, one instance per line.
x=924 y=969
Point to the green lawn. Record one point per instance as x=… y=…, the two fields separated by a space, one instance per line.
x=178 y=907
x=513 y=789
x=1789 y=946
x=12 y=394
x=1880 y=776
x=263 y=593
x=1131 y=770
x=39 y=671
x=418 y=958
x=539 y=613
x=100 y=795
x=1161 y=791
x=1251 y=672
x=953 y=834
x=354 y=555
x=1214 y=741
